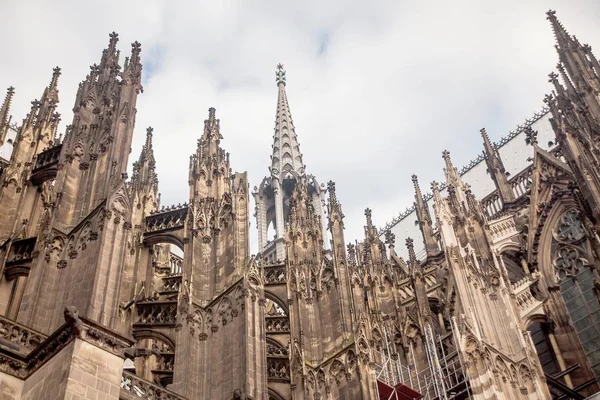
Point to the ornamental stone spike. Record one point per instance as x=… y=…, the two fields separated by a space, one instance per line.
x=286 y=158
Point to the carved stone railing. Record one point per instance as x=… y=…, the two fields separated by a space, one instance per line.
x=134 y=386
x=162 y=313
x=276 y=351
x=503 y=228
x=275 y=275
x=524 y=297
x=278 y=369
x=24 y=338
x=22 y=253
x=172 y=283
x=520 y=184
x=277 y=324
x=46 y=165
x=167 y=219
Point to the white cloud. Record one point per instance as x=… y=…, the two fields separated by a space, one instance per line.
x=376 y=92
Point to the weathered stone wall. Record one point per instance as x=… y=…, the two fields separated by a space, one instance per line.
x=10 y=387
x=94 y=373
x=50 y=381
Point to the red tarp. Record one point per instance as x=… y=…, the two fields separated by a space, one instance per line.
x=400 y=392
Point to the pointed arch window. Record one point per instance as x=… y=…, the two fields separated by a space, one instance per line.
x=570 y=258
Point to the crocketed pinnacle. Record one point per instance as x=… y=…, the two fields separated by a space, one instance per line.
x=452 y=176
x=422 y=210
x=496 y=168
x=562 y=36
x=147 y=154
x=286 y=160
x=5 y=109
x=4 y=114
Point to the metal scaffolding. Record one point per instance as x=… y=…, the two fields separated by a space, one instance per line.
x=444 y=377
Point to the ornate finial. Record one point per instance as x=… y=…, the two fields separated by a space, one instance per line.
x=211 y=115
x=484 y=135
x=331 y=190
x=149 y=131
x=280 y=74
x=530 y=136
x=368 y=215
x=134 y=60
x=548 y=99
x=415 y=182
x=114 y=37
x=550 y=14
x=411 y=250
x=35 y=104
x=55 y=75
x=553 y=77
x=446 y=155
x=390 y=239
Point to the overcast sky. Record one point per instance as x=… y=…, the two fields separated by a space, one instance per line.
x=377 y=89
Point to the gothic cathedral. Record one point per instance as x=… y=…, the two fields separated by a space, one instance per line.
x=107 y=294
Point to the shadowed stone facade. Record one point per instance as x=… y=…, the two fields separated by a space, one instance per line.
x=106 y=294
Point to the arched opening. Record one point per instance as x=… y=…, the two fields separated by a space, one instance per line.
x=571 y=258
x=513 y=264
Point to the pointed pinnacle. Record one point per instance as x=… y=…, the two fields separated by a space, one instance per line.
x=4 y=110
x=446 y=157
x=368 y=214
x=280 y=75
x=411 y=250
x=56 y=73
x=331 y=190
x=114 y=38
x=415 y=181
x=562 y=36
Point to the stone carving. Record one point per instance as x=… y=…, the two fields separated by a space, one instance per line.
x=19 y=334
x=139 y=387
x=71 y=315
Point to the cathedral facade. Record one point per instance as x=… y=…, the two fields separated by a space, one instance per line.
x=107 y=294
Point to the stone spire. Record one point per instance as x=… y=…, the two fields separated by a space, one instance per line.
x=424 y=220
x=144 y=170
x=4 y=114
x=287 y=158
x=496 y=169
x=578 y=66
x=49 y=99
x=457 y=189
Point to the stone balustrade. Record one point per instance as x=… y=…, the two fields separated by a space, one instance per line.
x=277 y=324
x=136 y=387
x=275 y=275
x=26 y=339
x=170 y=218
x=526 y=301
x=520 y=184
x=156 y=313
x=172 y=283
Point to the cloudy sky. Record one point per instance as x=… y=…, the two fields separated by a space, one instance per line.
x=377 y=89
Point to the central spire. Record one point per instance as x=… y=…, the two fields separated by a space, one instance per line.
x=286 y=161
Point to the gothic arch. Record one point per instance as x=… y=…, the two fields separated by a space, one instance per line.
x=140 y=334
x=277 y=301
x=273 y=395
x=152 y=239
